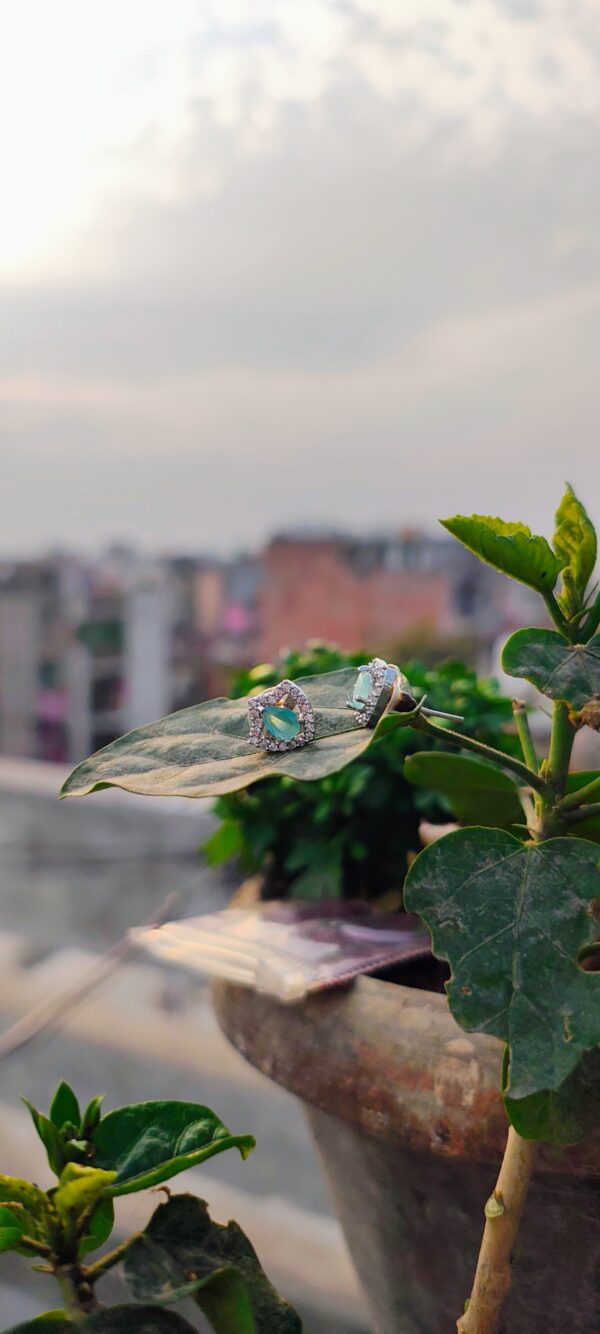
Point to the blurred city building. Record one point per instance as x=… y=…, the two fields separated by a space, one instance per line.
x=90 y=649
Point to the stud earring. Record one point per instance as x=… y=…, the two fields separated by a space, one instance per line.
x=381 y=687
x=378 y=687
x=281 y=718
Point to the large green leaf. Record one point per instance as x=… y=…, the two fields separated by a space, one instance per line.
x=99 y=1228
x=565 y=1115
x=509 y=547
x=204 y=750
x=12 y=1227
x=476 y=792
x=569 y=672
x=52 y=1322
x=32 y=1204
x=510 y=920
x=182 y=1253
x=575 y=545
x=116 y=1320
x=150 y=1142
x=78 y=1191
x=135 y=1320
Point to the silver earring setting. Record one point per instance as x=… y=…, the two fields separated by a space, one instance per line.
x=379 y=688
x=281 y=719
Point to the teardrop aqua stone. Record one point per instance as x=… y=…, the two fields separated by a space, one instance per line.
x=362 y=689
x=280 y=722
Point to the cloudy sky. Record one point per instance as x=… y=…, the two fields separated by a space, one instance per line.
x=273 y=262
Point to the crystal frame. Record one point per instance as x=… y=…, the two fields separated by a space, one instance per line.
x=384 y=678
x=301 y=706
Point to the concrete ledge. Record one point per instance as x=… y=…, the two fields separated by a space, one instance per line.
x=137 y=1009
x=111 y=822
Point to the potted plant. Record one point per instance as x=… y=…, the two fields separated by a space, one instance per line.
x=181 y=1254
x=411 y=1092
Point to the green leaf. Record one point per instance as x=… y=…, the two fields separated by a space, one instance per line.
x=511 y=920
x=53 y=1322
x=51 y=1138
x=33 y=1202
x=64 y=1108
x=77 y=1151
x=320 y=870
x=563 y=1116
x=575 y=545
x=509 y=547
x=151 y=1142
x=476 y=792
x=135 y=1320
x=226 y=842
x=183 y=1253
x=91 y=1116
x=79 y=1188
x=204 y=751
x=12 y=1227
x=568 y=672
x=116 y=1320
x=98 y=1229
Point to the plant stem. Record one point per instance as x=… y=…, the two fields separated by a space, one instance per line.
x=37 y=1247
x=493 y=1275
x=77 y=1292
x=522 y=725
x=581 y=797
x=99 y=1267
x=561 y=745
x=527 y=776
x=556 y=615
x=583 y=813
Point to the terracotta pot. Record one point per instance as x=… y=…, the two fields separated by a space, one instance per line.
x=410 y=1127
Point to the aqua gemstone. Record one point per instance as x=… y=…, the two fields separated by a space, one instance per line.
x=280 y=722
x=362 y=690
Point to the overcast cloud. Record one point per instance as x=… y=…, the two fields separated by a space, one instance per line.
x=319 y=262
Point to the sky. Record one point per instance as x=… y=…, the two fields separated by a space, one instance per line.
x=275 y=263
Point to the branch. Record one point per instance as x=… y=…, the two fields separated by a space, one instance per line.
x=95 y=1271
x=581 y=797
x=37 y=1247
x=584 y=813
x=562 y=737
x=522 y=725
x=556 y=615
x=78 y=1293
x=527 y=776
x=503 y=1211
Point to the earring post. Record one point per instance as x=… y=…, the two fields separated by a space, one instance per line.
x=438 y=713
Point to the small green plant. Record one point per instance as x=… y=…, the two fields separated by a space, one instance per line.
x=181 y=1253
x=351 y=834
x=511 y=900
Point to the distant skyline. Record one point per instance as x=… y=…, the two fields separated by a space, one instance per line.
x=270 y=263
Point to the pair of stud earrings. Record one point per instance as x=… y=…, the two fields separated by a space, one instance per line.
x=282 y=718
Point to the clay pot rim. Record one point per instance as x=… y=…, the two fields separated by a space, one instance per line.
x=390 y=1059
